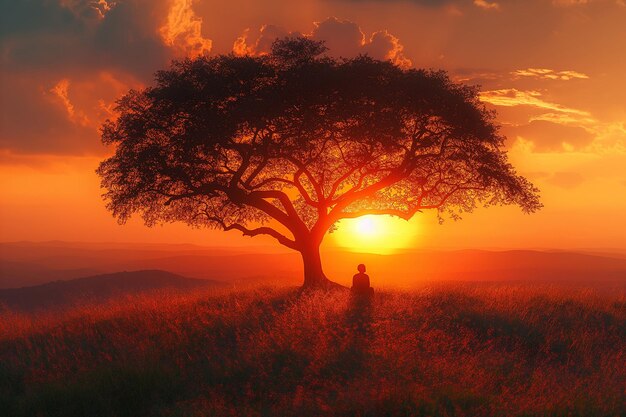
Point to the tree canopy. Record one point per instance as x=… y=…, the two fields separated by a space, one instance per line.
x=289 y=143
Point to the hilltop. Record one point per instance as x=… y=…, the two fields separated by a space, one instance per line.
x=437 y=351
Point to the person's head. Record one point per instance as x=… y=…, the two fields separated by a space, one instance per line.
x=361 y=268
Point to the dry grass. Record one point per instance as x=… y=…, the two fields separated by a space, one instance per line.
x=445 y=351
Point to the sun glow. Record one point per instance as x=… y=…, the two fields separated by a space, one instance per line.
x=375 y=234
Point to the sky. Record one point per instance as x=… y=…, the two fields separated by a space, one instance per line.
x=554 y=70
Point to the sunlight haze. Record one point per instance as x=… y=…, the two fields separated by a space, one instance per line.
x=558 y=91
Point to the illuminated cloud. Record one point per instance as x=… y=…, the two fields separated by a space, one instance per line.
x=477 y=75
x=483 y=4
x=183 y=30
x=346 y=39
x=41 y=120
x=548 y=74
x=342 y=37
x=510 y=97
x=88 y=9
x=60 y=116
x=65 y=62
x=548 y=136
x=569 y=2
x=61 y=91
x=263 y=43
x=383 y=45
x=565 y=119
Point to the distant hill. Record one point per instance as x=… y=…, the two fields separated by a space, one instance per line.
x=25 y=263
x=96 y=289
x=33 y=263
x=480 y=265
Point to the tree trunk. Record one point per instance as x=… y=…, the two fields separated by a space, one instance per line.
x=313 y=274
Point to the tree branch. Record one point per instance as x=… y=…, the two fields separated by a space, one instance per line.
x=264 y=230
x=303 y=192
x=316 y=186
x=406 y=215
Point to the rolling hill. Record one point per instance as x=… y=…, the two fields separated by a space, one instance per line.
x=36 y=263
x=96 y=289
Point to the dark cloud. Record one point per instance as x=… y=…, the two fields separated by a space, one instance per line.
x=44 y=35
x=342 y=37
x=35 y=120
x=127 y=38
x=346 y=39
x=36 y=17
x=429 y=3
x=65 y=61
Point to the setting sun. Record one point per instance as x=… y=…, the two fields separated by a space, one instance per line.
x=375 y=234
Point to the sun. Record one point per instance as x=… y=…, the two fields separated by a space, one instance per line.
x=375 y=234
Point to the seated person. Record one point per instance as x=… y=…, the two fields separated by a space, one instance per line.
x=361 y=282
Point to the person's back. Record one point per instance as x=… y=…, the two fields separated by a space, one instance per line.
x=361 y=282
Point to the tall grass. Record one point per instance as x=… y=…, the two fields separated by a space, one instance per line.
x=437 y=351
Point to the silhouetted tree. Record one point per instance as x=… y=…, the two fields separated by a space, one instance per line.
x=289 y=143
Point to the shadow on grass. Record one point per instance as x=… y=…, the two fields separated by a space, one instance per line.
x=129 y=390
x=353 y=358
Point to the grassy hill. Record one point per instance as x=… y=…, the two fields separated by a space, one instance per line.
x=453 y=350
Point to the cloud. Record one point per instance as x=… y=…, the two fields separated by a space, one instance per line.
x=477 y=75
x=60 y=90
x=549 y=74
x=384 y=46
x=58 y=116
x=483 y=4
x=344 y=39
x=36 y=17
x=38 y=119
x=426 y=3
x=511 y=97
x=574 y=3
x=547 y=136
x=65 y=62
x=566 y=119
x=88 y=9
x=569 y=2
x=263 y=43
x=183 y=30
x=133 y=36
x=69 y=39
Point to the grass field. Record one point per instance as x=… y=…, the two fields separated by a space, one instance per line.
x=436 y=351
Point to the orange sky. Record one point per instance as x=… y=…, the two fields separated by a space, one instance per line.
x=554 y=71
